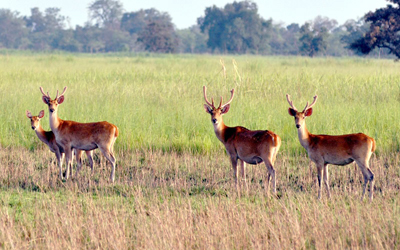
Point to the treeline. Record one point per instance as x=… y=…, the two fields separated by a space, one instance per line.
x=236 y=28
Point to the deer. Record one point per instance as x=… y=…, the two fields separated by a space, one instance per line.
x=49 y=139
x=334 y=149
x=244 y=145
x=83 y=136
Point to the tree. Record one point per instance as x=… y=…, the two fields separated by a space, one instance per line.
x=313 y=35
x=91 y=38
x=192 y=40
x=159 y=36
x=154 y=29
x=106 y=13
x=44 y=27
x=236 y=28
x=135 y=22
x=384 y=30
x=291 y=39
x=65 y=40
x=12 y=29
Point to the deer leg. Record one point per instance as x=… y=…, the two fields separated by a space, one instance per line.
x=319 y=172
x=110 y=157
x=368 y=177
x=326 y=180
x=243 y=173
x=89 y=155
x=78 y=157
x=59 y=157
x=68 y=158
x=71 y=162
x=234 y=161
x=271 y=174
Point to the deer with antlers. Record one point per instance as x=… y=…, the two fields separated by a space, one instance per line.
x=83 y=136
x=49 y=139
x=244 y=145
x=334 y=149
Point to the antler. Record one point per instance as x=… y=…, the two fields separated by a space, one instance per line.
x=220 y=103
x=291 y=102
x=41 y=89
x=65 y=89
x=205 y=98
x=232 y=94
x=312 y=104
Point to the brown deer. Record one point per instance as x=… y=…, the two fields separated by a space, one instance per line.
x=334 y=149
x=84 y=136
x=244 y=145
x=49 y=139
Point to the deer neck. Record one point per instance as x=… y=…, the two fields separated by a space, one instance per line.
x=304 y=136
x=219 y=130
x=41 y=134
x=55 y=122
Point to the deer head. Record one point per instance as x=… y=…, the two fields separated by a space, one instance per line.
x=216 y=113
x=35 y=120
x=299 y=117
x=53 y=104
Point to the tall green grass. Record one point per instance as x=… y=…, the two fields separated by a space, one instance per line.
x=157 y=101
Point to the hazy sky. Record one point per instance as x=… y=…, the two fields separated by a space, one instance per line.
x=184 y=13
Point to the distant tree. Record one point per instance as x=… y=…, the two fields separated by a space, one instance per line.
x=291 y=39
x=236 y=28
x=384 y=30
x=335 y=47
x=314 y=35
x=324 y=23
x=48 y=22
x=353 y=30
x=91 y=38
x=65 y=40
x=153 y=29
x=159 y=36
x=106 y=13
x=116 y=40
x=12 y=29
x=311 y=41
x=43 y=27
x=135 y=22
x=192 y=40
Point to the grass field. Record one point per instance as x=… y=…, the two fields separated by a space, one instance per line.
x=174 y=184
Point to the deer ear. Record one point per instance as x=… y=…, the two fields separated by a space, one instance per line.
x=28 y=114
x=308 y=112
x=41 y=114
x=292 y=112
x=46 y=99
x=225 y=109
x=208 y=109
x=60 y=99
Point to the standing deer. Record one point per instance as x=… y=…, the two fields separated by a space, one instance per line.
x=49 y=139
x=334 y=149
x=243 y=145
x=84 y=136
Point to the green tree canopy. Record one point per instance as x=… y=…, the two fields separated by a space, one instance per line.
x=106 y=13
x=313 y=35
x=12 y=29
x=384 y=30
x=154 y=29
x=236 y=28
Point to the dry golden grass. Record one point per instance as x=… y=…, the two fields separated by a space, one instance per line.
x=184 y=201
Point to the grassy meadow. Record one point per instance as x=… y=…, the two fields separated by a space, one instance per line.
x=174 y=185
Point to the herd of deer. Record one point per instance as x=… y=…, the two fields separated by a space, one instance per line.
x=66 y=136
x=242 y=145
